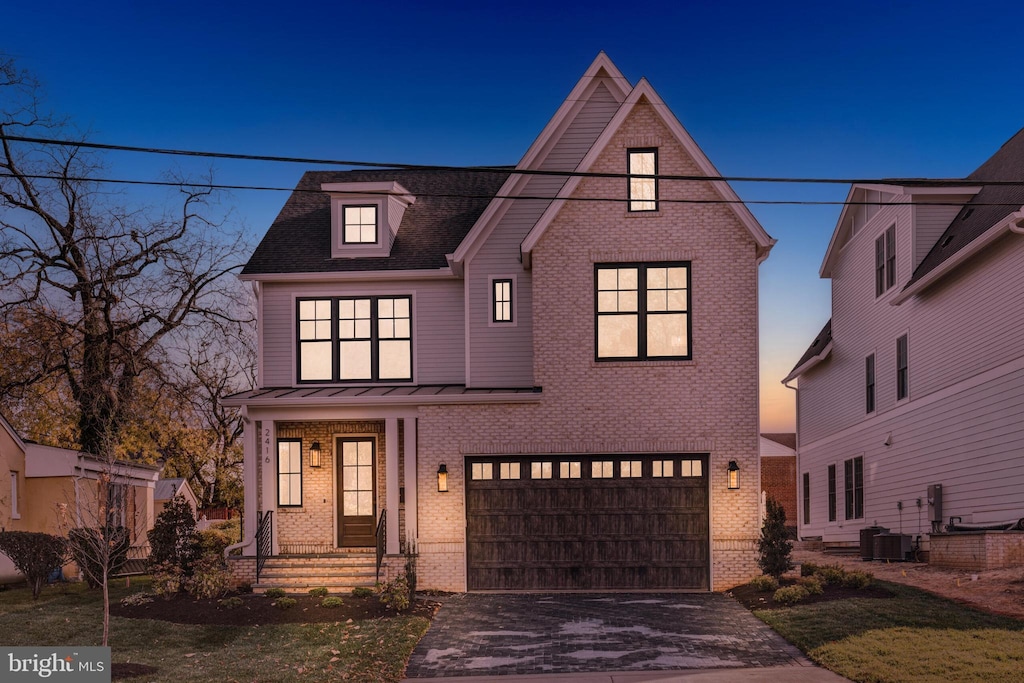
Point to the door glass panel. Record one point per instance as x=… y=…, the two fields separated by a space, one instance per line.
x=357 y=478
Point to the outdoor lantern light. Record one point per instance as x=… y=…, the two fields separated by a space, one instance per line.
x=442 y=478
x=734 y=475
x=314 y=454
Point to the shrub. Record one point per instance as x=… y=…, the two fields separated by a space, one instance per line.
x=809 y=569
x=332 y=601
x=812 y=584
x=210 y=578
x=275 y=593
x=91 y=547
x=232 y=528
x=232 y=602
x=212 y=542
x=173 y=537
x=245 y=587
x=35 y=555
x=285 y=603
x=168 y=580
x=831 y=574
x=361 y=592
x=774 y=548
x=137 y=599
x=857 y=580
x=763 y=584
x=318 y=592
x=790 y=595
x=395 y=594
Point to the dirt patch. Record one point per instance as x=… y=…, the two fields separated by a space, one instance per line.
x=261 y=610
x=752 y=598
x=120 y=671
x=997 y=591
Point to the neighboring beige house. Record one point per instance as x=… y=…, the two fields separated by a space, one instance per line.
x=167 y=489
x=917 y=381
x=12 y=491
x=540 y=377
x=778 y=471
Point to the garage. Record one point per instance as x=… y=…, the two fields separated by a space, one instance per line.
x=590 y=522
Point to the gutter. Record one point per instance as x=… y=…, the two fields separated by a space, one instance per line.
x=810 y=363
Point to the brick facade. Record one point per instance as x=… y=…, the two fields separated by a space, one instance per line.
x=977 y=551
x=778 y=481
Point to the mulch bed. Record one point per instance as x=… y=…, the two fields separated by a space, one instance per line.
x=753 y=599
x=261 y=610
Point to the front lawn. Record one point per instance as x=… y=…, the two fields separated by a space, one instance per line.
x=362 y=650
x=913 y=636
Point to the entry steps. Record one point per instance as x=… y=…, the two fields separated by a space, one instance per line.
x=338 y=573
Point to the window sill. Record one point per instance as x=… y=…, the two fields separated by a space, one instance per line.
x=639 y=214
x=642 y=363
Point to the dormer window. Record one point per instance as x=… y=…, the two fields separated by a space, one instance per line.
x=366 y=217
x=360 y=224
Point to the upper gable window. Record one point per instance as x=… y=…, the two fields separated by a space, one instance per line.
x=643 y=183
x=360 y=224
x=885 y=261
x=643 y=311
x=502 y=301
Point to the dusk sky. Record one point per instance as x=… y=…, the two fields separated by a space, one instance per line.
x=796 y=90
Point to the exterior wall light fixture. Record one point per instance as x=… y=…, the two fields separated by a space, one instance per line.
x=734 y=475
x=314 y=454
x=442 y=478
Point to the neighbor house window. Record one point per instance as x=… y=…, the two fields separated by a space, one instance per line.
x=289 y=472
x=15 y=512
x=885 y=261
x=352 y=339
x=902 y=383
x=643 y=185
x=501 y=308
x=831 y=493
x=853 y=480
x=807 y=497
x=643 y=311
x=360 y=225
x=116 y=497
x=869 y=383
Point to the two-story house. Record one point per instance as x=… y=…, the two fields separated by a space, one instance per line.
x=917 y=381
x=536 y=377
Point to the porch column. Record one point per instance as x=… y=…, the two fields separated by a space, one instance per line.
x=249 y=456
x=269 y=483
x=391 y=483
x=411 y=531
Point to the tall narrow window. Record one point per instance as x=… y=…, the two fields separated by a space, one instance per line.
x=355 y=340
x=502 y=300
x=394 y=334
x=117 y=504
x=807 y=497
x=315 y=361
x=869 y=383
x=643 y=311
x=643 y=183
x=831 y=493
x=853 y=481
x=15 y=512
x=902 y=367
x=885 y=261
x=289 y=472
x=360 y=225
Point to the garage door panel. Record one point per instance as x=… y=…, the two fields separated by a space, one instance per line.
x=585 y=533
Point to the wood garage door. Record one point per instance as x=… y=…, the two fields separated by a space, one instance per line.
x=587 y=522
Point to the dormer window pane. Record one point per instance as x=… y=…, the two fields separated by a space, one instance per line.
x=643 y=191
x=360 y=225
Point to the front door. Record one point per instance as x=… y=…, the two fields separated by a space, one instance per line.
x=356 y=510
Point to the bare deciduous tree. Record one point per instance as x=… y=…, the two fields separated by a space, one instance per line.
x=110 y=285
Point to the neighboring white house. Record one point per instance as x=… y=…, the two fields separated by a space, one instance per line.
x=167 y=489
x=918 y=378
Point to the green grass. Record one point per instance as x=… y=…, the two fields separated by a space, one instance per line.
x=914 y=636
x=371 y=650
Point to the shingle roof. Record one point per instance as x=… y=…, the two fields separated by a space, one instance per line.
x=988 y=207
x=787 y=439
x=447 y=205
x=166 y=488
x=823 y=339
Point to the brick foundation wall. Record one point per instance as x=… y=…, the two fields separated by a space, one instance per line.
x=243 y=571
x=778 y=480
x=977 y=551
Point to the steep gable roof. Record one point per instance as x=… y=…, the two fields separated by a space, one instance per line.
x=643 y=92
x=6 y=426
x=818 y=351
x=448 y=203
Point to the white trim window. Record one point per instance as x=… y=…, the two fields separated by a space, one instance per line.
x=885 y=261
x=359 y=223
x=503 y=300
x=643 y=182
x=289 y=472
x=15 y=511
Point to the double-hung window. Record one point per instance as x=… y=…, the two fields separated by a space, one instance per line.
x=501 y=300
x=289 y=472
x=643 y=311
x=831 y=493
x=359 y=224
x=885 y=261
x=355 y=339
x=869 y=383
x=643 y=181
x=15 y=511
x=853 y=479
x=902 y=369
x=807 y=497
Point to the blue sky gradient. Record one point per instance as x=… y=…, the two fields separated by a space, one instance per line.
x=805 y=89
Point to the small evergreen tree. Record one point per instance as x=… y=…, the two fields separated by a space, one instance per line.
x=774 y=547
x=36 y=555
x=174 y=538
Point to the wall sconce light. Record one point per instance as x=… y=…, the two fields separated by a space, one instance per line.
x=442 y=478
x=888 y=439
x=734 y=475
x=314 y=454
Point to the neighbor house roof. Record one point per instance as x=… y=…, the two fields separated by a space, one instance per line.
x=167 y=488
x=987 y=208
x=787 y=439
x=815 y=353
x=448 y=203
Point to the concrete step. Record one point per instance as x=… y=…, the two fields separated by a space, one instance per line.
x=300 y=588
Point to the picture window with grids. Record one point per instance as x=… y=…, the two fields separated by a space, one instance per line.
x=642 y=311
x=289 y=472
x=643 y=183
x=359 y=224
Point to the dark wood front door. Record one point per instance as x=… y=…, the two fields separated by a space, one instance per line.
x=588 y=522
x=357 y=510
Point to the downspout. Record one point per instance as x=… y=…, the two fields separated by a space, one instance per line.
x=1017 y=223
x=796 y=401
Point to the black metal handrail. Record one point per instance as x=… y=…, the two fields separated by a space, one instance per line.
x=382 y=539
x=264 y=540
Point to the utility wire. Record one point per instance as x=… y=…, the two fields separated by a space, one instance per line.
x=934 y=182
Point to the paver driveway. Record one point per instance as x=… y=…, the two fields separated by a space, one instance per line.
x=490 y=634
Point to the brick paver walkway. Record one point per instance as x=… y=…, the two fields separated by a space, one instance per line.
x=490 y=634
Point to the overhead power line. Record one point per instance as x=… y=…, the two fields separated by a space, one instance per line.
x=935 y=182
